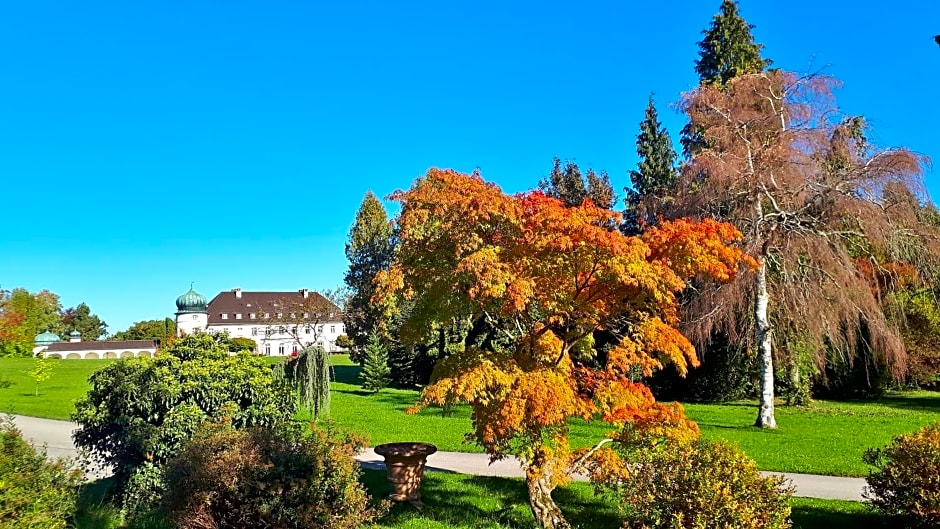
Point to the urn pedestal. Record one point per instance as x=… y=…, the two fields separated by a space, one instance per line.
x=405 y=465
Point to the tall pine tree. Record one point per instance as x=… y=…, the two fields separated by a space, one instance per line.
x=369 y=250
x=655 y=175
x=726 y=51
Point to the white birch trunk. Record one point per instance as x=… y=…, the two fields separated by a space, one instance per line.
x=765 y=415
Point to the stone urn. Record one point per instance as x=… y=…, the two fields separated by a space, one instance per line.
x=405 y=465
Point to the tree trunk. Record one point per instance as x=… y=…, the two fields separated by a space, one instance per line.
x=765 y=415
x=546 y=512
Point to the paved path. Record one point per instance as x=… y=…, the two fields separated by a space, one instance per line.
x=56 y=435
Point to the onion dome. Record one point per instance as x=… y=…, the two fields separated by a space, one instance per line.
x=191 y=302
x=47 y=338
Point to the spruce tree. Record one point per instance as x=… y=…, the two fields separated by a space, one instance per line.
x=655 y=175
x=369 y=250
x=726 y=51
x=375 y=374
x=728 y=48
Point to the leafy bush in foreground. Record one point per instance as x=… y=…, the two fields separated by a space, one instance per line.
x=140 y=412
x=906 y=481
x=34 y=492
x=701 y=485
x=263 y=477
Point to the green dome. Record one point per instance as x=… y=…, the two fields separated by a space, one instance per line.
x=47 y=338
x=191 y=301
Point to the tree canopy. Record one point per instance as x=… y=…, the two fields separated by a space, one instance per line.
x=369 y=250
x=656 y=173
x=567 y=184
x=547 y=283
x=808 y=191
x=727 y=49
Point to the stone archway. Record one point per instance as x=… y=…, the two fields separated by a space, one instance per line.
x=145 y=354
x=110 y=354
x=55 y=356
x=92 y=356
x=73 y=356
x=127 y=354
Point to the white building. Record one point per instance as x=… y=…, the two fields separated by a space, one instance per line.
x=280 y=323
x=50 y=346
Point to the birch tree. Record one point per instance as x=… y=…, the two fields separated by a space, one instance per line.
x=807 y=190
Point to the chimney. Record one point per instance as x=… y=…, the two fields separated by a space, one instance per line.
x=238 y=293
x=305 y=292
x=75 y=336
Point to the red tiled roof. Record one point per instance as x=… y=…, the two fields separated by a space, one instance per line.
x=259 y=303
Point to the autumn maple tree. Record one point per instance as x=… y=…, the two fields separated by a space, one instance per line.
x=566 y=313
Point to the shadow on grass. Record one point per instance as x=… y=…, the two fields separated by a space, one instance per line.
x=458 y=500
x=346 y=374
x=926 y=404
x=814 y=514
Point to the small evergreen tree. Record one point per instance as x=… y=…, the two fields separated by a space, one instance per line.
x=655 y=174
x=375 y=373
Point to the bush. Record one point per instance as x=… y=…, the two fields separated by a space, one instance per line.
x=34 y=492
x=266 y=478
x=906 y=481
x=701 y=485
x=140 y=412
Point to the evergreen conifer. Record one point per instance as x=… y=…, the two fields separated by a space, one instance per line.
x=655 y=174
x=375 y=374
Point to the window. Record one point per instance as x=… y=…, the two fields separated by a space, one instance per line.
x=195 y=317
x=295 y=349
x=251 y=315
x=267 y=315
x=306 y=315
x=332 y=329
x=280 y=315
x=224 y=316
x=280 y=349
x=254 y=331
x=238 y=316
x=308 y=329
x=267 y=349
x=319 y=328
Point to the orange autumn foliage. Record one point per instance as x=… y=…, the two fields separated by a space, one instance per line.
x=548 y=280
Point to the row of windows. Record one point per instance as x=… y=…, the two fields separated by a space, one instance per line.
x=253 y=316
x=268 y=331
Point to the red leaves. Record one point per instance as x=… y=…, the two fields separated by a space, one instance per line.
x=550 y=277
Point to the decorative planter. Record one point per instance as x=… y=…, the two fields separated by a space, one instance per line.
x=405 y=465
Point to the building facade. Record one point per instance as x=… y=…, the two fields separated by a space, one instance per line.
x=280 y=323
x=49 y=345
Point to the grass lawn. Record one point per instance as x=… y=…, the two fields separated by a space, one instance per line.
x=827 y=438
x=57 y=395
x=461 y=501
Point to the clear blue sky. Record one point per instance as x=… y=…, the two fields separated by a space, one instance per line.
x=145 y=145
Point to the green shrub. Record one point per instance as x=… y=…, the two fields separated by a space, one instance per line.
x=140 y=412
x=906 y=481
x=34 y=492
x=266 y=477
x=701 y=485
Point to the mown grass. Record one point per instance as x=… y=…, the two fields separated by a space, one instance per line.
x=57 y=395
x=826 y=438
x=457 y=501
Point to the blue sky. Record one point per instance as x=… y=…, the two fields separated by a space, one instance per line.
x=147 y=145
